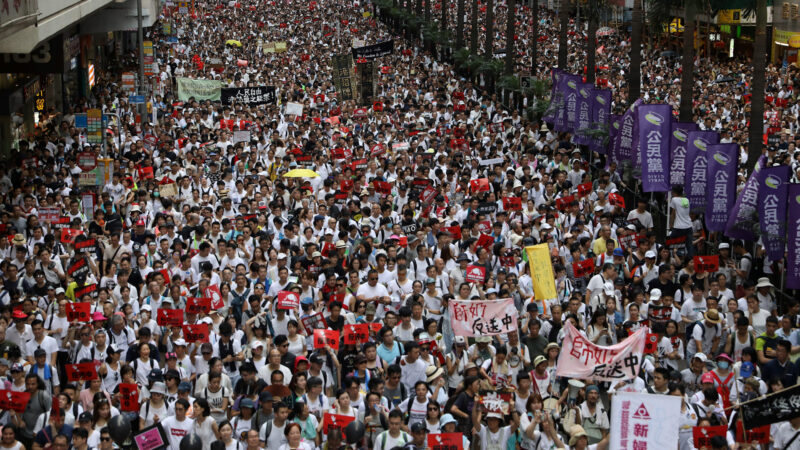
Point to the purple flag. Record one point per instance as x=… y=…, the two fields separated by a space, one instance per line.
x=601 y=114
x=626 y=134
x=742 y=221
x=613 y=138
x=773 y=185
x=571 y=102
x=721 y=192
x=560 y=120
x=697 y=167
x=583 y=119
x=654 y=132
x=793 y=261
x=550 y=114
x=678 y=140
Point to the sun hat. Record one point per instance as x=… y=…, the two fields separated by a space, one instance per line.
x=712 y=315
x=575 y=433
x=433 y=372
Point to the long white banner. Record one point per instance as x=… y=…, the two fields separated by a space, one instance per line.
x=580 y=358
x=644 y=421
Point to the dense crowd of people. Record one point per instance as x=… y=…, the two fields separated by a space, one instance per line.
x=237 y=232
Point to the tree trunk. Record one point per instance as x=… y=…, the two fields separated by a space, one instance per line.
x=685 y=111
x=443 y=20
x=511 y=53
x=473 y=45
x=591 y=43
x=428 y=11
x=460 y=24
x=489 y=29
x=635 y=71
x=418 y=8
x=534 y=35
x=563 y=20
x=756 y=130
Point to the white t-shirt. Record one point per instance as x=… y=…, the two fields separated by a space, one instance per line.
x=176 y=430
x=149 y=413
x=681 y=207
x=494 y=441
x=417 y=412
x=391 y=442
x=276 y=436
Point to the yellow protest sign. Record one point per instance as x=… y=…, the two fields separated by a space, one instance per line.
x=269 y=47
x=280 y=47
x=544 y=283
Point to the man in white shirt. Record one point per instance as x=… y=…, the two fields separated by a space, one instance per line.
x=178 y=426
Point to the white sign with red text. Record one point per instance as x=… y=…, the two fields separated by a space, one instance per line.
x=483 y=318
x=644 y=421
x=582 y=359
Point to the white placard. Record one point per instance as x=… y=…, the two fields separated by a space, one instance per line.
x=644 y=421
x=295 y=109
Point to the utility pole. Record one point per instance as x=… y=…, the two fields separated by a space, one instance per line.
x=140 y=32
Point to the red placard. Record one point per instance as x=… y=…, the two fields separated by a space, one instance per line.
x=76 y=266
x=170 y=317
x=85 y=244
x=15 y=401
x=197 y=305
x=479 y=185
x=427 y=195
x=196 y=333
x=454 y=231
x=356 y=334
x=562 y=203
x=402 y=241
x=507 y=261
x=377 y=150
x=707 y=263
x=758 y=434
x=68 y=235
x=146 y=173
x=378 y=106
x=82 y=371
x=346 y=185
x=382 y=187
x=485 y=241
x=375 y=327
x=129 y=397
x=702 y=435
x=651 y=343
x=616 y=199
x=584 y=189
x=326 y=337
x=476 y=274
x=512 y=203
x=288 y=300
x=583 y=268
x=446 y=441
x=79 y=293
x=671 y=242
x=313 y=322
x=359 y=164
x=78 y=311
x=335 y=421
x=485 y=226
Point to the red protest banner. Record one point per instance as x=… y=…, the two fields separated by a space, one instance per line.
x=583 y=268
x=288 y=300
x=454 y=231
x=707 y=263
x=494 y=403
x=326 y=337
x=85 y=244
x=14 y=401
x=672 y=242
x=86 y=290
x=197 y=305
x=507 y=261
x=68 y=235
x=375 y=327
x=313 y=322
x=476 y=274
x=196 y=333
x=359 y=164
x=346 y=185
x=485 y=241
x=584 y=189
x=616 y=199
x=82 y=371
x=758 y=434
x=335 y=421
x=479 y=185
x=377 y=150
x=128 y=397
x=382 y=187
x=485 y=226
x=563 y=202
x=445 y=441
x=512 y=203
x=651 y=343
x=356 y=334
x=170 y=317
x=427 y=195
x=702 y=435
x=146 y=173
x=78 y=311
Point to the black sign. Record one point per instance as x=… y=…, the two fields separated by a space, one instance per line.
x=375 y=50
x=487 y=208
x=778 y=407
x=260 y=95
x=410 y=228
x=773 y=140
x=47 y=57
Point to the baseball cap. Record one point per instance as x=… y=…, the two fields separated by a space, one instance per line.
x=419 y=427
x=39 y=352
x=707 y=378
x=747 y=369
x=649 y=254
x=618 y=252
x=655 y=294
x=185 y=386
x=247 y=403
x=85 y=416
x=265 y=397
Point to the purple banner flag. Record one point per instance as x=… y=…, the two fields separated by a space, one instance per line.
x=550 y=114
x=773 y=184
x=742 y=221
x=721 y=192
x=570 y=93
x=601 y=114
x=654 y=136
x=613 y=138
x=678 y=140
x=626 y=134
x=697 y=167
x=793 y=261
x=583 y=120
x=560 y=120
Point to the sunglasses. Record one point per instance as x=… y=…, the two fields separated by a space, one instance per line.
x=105 y=439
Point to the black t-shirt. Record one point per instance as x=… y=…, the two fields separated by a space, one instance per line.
x=667 y=288
x=465 y=403
x=337 y=324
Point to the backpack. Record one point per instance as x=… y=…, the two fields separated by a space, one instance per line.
x=403 y=436
x=408 y=409
x=136 y=366
x=690 y=330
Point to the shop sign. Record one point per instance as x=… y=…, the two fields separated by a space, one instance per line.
x=47 y=57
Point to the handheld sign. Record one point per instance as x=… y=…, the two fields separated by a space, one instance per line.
x=288 y=300
x=14 y=401
x=326 y=337
x=313 y=322
x=196 y=333
x=709 y=263
x=651 y=343
x=512 y=203
x=702 y=435
x=169 y=317
x=446 y=441
x=335 y=421
x=197 y=305
x=129 y=397
x=82 y=371
x=78 y=311
x=583 y=268
x=479 y=185
x=356 y=334
x=476 y=274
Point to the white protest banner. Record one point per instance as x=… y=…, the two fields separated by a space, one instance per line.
x=489 y=162
x=241 y=136
x=483 y=318
x=644 y=421
x=295 y=109
x=580 y=358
